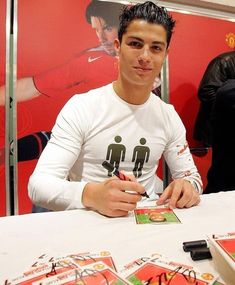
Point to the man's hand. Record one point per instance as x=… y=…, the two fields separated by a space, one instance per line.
x=109 y=197
x=181 y=194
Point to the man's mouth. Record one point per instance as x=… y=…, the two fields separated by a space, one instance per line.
x=142 y=69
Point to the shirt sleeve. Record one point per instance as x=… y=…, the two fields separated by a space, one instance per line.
x=49 y=186
x=177 y=154
x=61 y=79
x=83 y=72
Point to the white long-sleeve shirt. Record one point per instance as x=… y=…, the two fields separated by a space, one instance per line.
x=99 y=125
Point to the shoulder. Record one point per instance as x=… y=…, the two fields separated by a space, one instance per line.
x=93 y=97
x=167 y=114
x=223 y=58
x=94 y=56
x=160 y=104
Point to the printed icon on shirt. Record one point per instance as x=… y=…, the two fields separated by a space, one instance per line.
x=116 y=153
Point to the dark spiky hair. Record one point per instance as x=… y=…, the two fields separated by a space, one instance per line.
x=148 y=12
x=108 y=11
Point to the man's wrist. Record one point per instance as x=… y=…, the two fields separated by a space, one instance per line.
x=194 y=184
x=88 y=195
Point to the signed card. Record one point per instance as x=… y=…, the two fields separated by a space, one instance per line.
x=86 y=259
x=139 y=261
x=96 y=273
x=166 y=273
x=81 y=259
x=43 y=271
x=155 y=215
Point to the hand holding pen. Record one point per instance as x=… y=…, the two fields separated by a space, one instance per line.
x=120 y=175
x=110 y=198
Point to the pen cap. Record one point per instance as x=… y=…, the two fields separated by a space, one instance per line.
x=195 y=244
x=108 y=166
x=200 y=254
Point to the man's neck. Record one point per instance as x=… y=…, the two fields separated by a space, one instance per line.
x=132 y=94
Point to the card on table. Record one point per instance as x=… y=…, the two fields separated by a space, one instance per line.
x=222 y=248
x=228 y=245
x=88 y=258
x=43 y=271
x=155 y=215
x=96 y=273
x=80 y=259
x=167 y=272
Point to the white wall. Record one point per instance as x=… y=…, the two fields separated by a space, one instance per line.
x=215 y=8
x=220 y=5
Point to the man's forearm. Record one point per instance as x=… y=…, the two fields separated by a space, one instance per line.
x=25 y=90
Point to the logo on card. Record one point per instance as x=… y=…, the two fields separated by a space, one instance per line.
x=91 y=59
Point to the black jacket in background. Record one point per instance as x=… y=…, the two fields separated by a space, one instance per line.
x=221 y=175
x=219 y=70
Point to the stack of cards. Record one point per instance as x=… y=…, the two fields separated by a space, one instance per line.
x=222 y=248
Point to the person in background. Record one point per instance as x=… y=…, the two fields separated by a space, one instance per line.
x=88 y=69
x=218 y=71
x=222 y=171
x=69 y=173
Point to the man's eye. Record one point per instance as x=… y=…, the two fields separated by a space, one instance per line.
x=108 y=28
x=156 y=48
x=135 y=44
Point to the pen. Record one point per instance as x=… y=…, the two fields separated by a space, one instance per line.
x=200 y=254
x=120 y=175
x=194 y=244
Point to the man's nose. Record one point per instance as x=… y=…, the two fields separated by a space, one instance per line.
x=101 y=35
x=145 y=55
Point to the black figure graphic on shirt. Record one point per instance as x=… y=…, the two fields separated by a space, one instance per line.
x=116 y=153
x=140 y=156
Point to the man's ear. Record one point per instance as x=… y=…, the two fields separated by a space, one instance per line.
x=117 y=46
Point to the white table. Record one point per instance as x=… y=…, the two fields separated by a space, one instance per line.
x=24 y=238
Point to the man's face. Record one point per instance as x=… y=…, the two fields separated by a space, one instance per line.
x=105 y=33
x=157 y=217
x=142 y=52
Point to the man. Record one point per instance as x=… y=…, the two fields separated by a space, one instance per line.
x=89 y=69
x=219 y=70
x=69 y=174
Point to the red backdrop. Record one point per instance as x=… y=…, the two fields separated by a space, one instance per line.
x=50 y=32
x=197 y=39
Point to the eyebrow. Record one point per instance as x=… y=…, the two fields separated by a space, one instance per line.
x=139 y=39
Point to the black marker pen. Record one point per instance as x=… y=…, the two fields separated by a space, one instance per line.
x=194 y=244
x=120 y=175
x=200 y=254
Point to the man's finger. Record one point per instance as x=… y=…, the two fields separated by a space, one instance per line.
x=175 y=198
x=165 y=195
x=193 y=202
